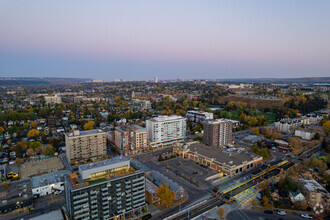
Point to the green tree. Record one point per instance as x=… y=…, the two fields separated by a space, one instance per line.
x=1 y=130
x=35 y=145
x=48 y=150
x=289 y=184
x=25 y=126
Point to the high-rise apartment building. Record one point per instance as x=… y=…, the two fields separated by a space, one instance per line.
x=165 y=130
x=217 y=132
x=108 y=189
x=156 y=79
x=130 y=139
x=85 y=144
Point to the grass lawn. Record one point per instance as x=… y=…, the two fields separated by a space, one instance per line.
x=271 y=117
x=96 y=181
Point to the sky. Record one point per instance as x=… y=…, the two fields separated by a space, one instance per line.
x=189 y=39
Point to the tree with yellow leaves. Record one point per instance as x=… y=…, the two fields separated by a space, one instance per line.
x=165 y=194
x=33 y=133
x=221 y=212
x=34 y=124
x=326 y=127
x=295 y=142
x=89 y=125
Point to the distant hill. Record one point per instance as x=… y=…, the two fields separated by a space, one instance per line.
x=284 y=80
x=30 y=81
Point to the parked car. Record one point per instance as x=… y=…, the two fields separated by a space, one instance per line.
x=268 y=212
x=58 y=192
x=306 y=216
x=281 y=213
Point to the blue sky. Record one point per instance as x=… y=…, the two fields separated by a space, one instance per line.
x=137 y=40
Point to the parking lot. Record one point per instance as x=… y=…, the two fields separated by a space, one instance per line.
x=190 y=170
x=40 y=167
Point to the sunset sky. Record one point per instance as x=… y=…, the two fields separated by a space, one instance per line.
x=137 y=40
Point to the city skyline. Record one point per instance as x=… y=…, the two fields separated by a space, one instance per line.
x=141 y=40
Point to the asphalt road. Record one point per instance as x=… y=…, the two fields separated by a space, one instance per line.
x=256 y=215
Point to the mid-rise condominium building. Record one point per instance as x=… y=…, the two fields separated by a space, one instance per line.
x=197 y=116
x=166 y=130
x=130 y=139
x=316 y=194
x=53 y=99
x=85 y=144
x=217 y=132
x=108 y=189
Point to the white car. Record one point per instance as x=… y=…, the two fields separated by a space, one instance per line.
x=281 y=213
x=58 y=192
x=306 y=216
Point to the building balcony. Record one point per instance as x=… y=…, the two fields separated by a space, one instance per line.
x=84 y=205
x=138 y=188
x=104 y=189
x=80 y=196
x=81 y=210
x=138 y=179
x=139 y=204
x=138 y=196
x=138 y=192
x=82 y=216
x=138 y=200
x=80 y=201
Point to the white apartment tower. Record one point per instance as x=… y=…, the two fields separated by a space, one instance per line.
x=165 y=130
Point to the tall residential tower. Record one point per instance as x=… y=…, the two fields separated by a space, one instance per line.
x=218 y=132
x=165 y=130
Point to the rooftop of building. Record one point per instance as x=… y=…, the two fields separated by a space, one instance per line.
x=232 y=156
x=49 y=178
x=198 y=112
x=215 y=121
x=159 y=179
x=150 y=187
x=76 y=180
x=77 y=133
x=313 y=186
x=161 y=118
x=103 y=163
